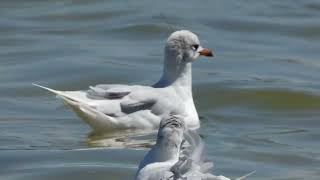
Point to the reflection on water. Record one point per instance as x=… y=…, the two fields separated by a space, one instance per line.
x=259 y=98
x=123 y=139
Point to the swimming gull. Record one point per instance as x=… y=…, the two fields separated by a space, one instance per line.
x=117 y=106
x=177 y=154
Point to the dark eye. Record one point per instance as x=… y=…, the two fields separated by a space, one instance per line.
x=195 y=46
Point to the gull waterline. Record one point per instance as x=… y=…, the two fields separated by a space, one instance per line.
x=177 y=155
x=171 y=159
x=117 y=106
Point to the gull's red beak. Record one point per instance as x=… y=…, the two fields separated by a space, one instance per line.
x=206 y=52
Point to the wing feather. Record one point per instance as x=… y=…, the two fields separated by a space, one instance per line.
x=116 y=92
x=131 y=106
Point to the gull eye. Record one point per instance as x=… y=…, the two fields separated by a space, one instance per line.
x=195 y=46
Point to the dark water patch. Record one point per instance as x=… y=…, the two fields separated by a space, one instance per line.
x=308 y=30
x=81 y=16
x=78 y=164
x=289 y=60
x=143 y=31
x=16 y=131
x=313 y=6
x=258 y=98
x=31 y=56
x=80 y=172
x=279 y=158
x=16 y=42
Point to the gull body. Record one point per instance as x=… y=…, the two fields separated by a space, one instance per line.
x=177 y=155
x=117 y=106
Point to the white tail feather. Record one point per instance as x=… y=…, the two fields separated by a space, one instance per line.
x=97 y=120
x=245 y=176
x=60 y=93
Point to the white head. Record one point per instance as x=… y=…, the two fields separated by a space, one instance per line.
x=170 y=134
x=184 y=46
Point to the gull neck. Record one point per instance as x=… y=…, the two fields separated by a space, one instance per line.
x=176 y=72
x=166 y=153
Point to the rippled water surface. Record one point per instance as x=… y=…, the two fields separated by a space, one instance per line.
x=259 y=99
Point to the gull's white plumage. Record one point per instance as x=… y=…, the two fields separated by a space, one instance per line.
x=177 y=155
x=114 y=106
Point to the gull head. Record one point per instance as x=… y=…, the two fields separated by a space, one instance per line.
x=171 y=131
x=184 y=46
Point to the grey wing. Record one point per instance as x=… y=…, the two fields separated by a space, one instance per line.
x=191 y=164
x=130 y=99
x=141 y=98
x=114 y=91
x=133 y=106
x=187 y=159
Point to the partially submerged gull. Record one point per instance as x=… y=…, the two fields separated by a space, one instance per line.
x=177 y=155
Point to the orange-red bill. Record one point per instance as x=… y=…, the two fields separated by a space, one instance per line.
x=206 y=52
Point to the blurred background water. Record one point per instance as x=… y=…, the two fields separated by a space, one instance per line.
x=258 y=99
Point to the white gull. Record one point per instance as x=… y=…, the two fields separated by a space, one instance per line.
x=116 y=106
x=177 y=154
